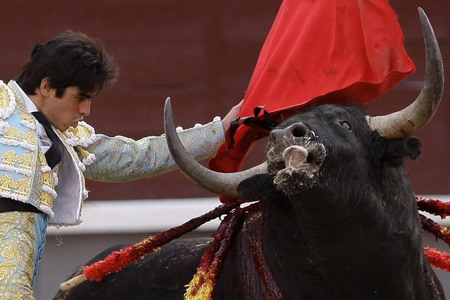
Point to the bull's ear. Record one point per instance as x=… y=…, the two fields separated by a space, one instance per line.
x=256 y=186
x=396 y=150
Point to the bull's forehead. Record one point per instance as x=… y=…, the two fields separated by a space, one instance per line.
x=327 y=113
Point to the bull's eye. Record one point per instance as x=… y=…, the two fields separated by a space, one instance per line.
x=346 y=125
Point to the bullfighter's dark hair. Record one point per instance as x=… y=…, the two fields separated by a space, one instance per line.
x=69 y=59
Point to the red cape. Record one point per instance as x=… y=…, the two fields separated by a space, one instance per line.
x=333 y=51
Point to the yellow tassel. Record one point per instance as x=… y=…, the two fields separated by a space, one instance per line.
x=199 y=288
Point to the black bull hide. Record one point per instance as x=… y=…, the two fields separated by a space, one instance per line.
x=337 y=221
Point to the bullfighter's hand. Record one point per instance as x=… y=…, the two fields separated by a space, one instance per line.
x=232 y=115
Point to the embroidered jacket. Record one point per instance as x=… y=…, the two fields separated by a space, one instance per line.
x=25 y=175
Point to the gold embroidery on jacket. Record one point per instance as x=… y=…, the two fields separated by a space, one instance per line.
x=80 y=132
x=4 y=98
x=26 y=161
x=12 y=133
x=46 y=199
x=21 y=187
x=14 y=162
x=27 y=117
x=47 y=178
x=22 y=162
x=41 y=158
x=10 y=157
x=29 y=137
x=15 y=189
x=6 y=183
x=16 y=255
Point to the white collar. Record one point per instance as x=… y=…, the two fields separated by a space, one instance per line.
x=29 y=104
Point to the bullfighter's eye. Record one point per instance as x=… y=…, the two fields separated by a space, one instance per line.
x=346 y=125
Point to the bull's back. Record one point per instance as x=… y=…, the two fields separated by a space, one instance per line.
x=162 y=275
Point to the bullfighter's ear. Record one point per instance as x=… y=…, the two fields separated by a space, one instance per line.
x=256 y=186
x=396 y=150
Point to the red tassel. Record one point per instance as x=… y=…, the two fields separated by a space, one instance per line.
x=203 y=284
x=439 y=231
x=118 y=260
x=438 y=259
x=433 y=206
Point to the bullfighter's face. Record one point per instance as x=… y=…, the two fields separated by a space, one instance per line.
x=65 y=111
x=68 y=110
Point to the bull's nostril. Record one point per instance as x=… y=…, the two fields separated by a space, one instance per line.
x=300 y=130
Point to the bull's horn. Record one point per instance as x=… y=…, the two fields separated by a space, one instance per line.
x=406 y=122
x=216 y=182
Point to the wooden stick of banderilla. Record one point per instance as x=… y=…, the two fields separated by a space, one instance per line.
x=67 y=285
x=149 y=244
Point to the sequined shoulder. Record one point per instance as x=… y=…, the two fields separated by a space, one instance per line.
x=82 y=135
x=7 y=101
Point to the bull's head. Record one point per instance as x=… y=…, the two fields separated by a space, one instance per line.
x=295 y=150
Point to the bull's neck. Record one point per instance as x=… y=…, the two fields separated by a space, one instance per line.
x=282 y=244
x=334 y=244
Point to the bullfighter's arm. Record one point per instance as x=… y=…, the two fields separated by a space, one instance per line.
x=122 y=159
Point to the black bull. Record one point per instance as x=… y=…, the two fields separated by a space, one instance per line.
x=338 y=220
x=346 y=227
